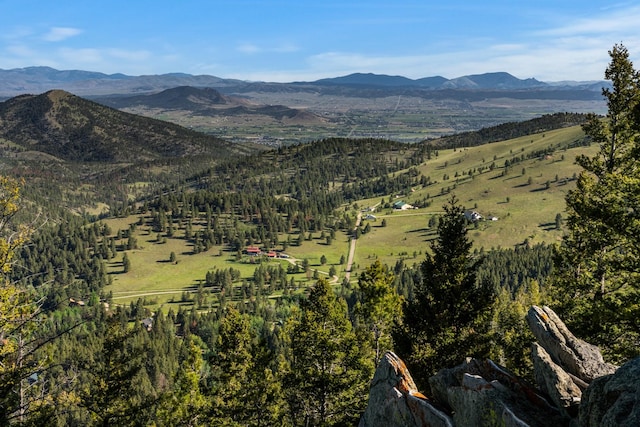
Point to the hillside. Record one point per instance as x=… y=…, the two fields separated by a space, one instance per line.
x=511 y=130
x=206 y=103
x=80 y=156
x=75 y=129
x=178 y=98
x=304 y=200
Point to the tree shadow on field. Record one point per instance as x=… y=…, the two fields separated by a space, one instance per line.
x=548 y=226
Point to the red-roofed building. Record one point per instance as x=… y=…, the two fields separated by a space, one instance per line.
x=253 y=251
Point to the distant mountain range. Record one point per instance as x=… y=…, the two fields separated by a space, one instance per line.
x=34 y=80
x=478 y=81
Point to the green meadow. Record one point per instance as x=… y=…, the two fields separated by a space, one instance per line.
x=519 y=201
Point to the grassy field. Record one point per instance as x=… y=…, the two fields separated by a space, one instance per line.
x=525 y=198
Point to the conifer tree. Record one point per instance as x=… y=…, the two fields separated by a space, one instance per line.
x=597 y=267
x=379 y=307
x=185 y=404
x=327 y=378
x=116 y=391
x=231 y=363
x=449 y=317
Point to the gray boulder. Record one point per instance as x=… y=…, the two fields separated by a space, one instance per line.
x=555 y=382
x=574 y=355
x=394 y=400
x=613 y=400
x=575 y=388
x=482 y=393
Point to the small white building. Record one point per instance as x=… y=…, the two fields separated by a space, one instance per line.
x=472 y=216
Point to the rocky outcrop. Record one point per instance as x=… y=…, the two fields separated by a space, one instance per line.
x=483 y=393
x=555 y=382
x=574 y=355
x=574 y=387
x=394 y=400
x=613 y=400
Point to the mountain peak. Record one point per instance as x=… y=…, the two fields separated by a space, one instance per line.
x=76 y=129
x=496 y=80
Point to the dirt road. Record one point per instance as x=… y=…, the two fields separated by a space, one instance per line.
x=352 y=248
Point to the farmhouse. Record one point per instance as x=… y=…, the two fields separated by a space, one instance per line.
x=147 y=323
x=253 y=251
x=472 y=216
x=402 y=205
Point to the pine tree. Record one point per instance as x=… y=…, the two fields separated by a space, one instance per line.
x=185 y=404
x=449 y=317
x=115 y=391
x=126 y=263
x=328 y=369
x=597 y=267
x=231 y=364
x=378 y=308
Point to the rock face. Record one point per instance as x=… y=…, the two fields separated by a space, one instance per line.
x=483 y=393
x=613 y=400
x=394 y=400
x=575 y=387
x=574 y=355
x=555 y=382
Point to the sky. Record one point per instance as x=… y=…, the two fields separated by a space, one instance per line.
x=302 y=40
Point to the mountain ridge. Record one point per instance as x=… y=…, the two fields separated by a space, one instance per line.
x=41 y=79
x=72 y=128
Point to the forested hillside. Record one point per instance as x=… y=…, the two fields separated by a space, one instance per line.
x=511 y=130
x=261 y=337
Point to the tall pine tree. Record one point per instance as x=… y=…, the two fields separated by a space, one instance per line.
x=449 y=317
x=378 y=308
x=598 y=264
x=329 y=369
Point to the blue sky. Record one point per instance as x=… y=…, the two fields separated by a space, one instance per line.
x=284 y=40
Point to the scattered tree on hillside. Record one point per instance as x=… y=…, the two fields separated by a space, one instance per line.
x=597 y=268
x=126 y=263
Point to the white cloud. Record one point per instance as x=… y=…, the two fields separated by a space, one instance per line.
x=248 y=48
x=57 y=34
x=129 y=55
x=575 y=50
x=20 y=50
x=81 y=57
x=16 y=33
x=615 y=21
x=251 y=48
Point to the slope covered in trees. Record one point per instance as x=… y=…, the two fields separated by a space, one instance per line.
x=511 y=130
x=72 y=128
